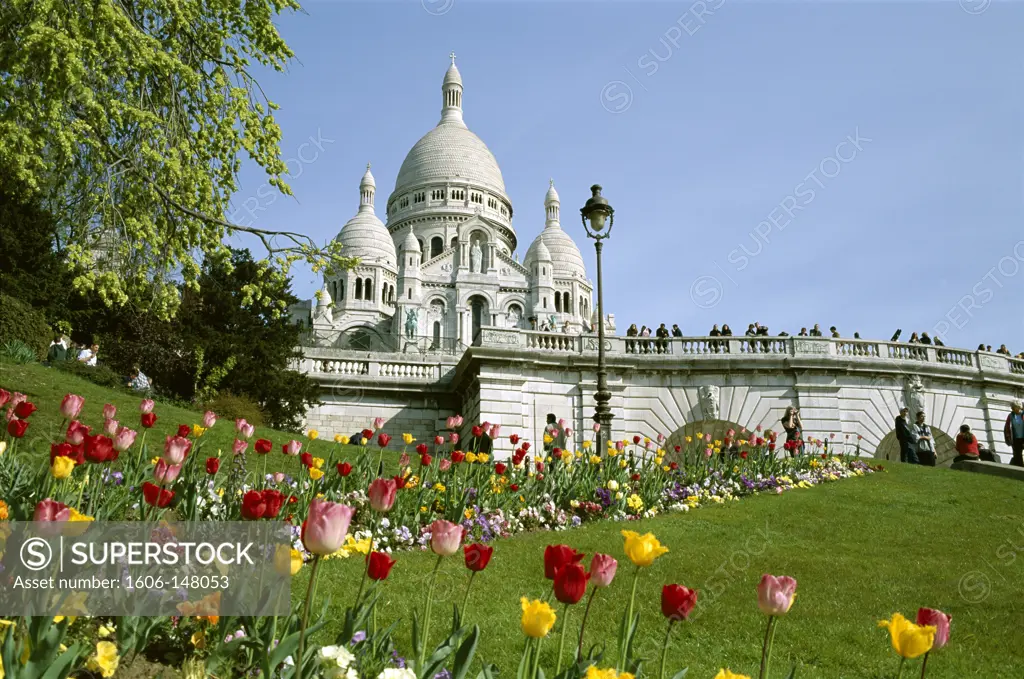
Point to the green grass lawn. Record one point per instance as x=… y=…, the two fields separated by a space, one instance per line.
x=860 y=549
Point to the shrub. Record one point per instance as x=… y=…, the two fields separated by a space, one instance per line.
x=19 y=321
x=231 y=406
x=99 y=374
x=16 y=351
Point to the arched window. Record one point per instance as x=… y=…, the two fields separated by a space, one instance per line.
x=391 y=295
x=566 y=302
x=455 y=241
x=359 y=288
x=436 y=246
x=368 y=289
x=384 y=292
x=558 y=301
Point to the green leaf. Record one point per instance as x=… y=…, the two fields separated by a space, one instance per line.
x=464 y=656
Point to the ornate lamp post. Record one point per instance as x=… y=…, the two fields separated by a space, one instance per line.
x=598 y=214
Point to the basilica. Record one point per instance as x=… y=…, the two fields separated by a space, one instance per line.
x=445 y=263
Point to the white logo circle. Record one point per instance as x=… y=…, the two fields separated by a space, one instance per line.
x=36 y=554
x=616 y=97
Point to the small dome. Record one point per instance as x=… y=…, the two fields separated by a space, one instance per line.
x=552 y=195
x=538 y=252
x=324 y=298
x=555 y=244
x=411 y=244
x=452 y=75
x=365 y=236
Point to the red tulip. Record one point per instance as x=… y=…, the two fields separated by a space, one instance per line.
x=678 y=448
x=212 y=465
x=344 y=468
x=673 y=466
x=514 y=487
x=500 y=468
x=72 y=405
x=253 y=505
x=383 y=440
x=635 y=477
x=99 y=449
x=324 y=530
x=148 y=420
x=367 y=434
x=184 y=430
x=540 y=467
x=526 y=446
x=16 y=428
x=743 y=454
x=941 y=622
x=677 y=602
x=458 y=456
x=422 y=449
x=477 y=556
x=24 y=409
x=399 y=482
x=5 y=396
x=425 y=460
x=556 y=556
x=378 y=565
x=570 y=583
x=63 y=450
x=273 y=500
x=51 y=510
x=306 y=459
x=263 y=446
x=513 y=439
x=382 y=494
x=156 y=496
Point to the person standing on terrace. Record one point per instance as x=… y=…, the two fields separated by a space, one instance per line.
x=1013 y=434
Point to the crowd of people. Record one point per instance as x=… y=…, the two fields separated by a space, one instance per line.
x=63 y=349
x=917 y=443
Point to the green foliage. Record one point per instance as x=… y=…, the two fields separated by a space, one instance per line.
x=19 y=321
x=232 y=407
x=206 y=383
x=16 y=351
x=128 y=122
x=42 y=643
x=101 y=375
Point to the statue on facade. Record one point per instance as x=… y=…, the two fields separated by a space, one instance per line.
x=914 y=390
x=410 y=323
x=708 y=397
x=476 y=256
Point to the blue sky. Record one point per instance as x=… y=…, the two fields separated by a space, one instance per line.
x=848 y=163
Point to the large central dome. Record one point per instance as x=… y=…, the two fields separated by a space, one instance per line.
x=450 y=152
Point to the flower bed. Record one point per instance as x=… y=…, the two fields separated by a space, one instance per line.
x=445 y=494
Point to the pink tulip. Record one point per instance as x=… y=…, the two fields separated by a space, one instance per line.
x=109 y=411
x=444 y=465
x=292 y=447
x=378 y=423
x=730 y=433
x=708 y=452
x=238 y=446
x=72 y=405
x=456 y=422
x=278 y=477
x=209 y=419
x=620 y=445
x=438 y=440
x=759 y=428
x=445 y=537
x=166 y=473
x=325 y=528
x=941 y=621
x=51 y=510
x=76 y=433
x=561 y=424
x=775 y=594
x=175 y=449
x=5 y=396
x=124 y=439
x=602 y=570
x=146 y=405
x=450 y=422
x=568 y=431
x=244 y=429
x=495 y=431
x=404 y=459
x=453 y=438
x=707 y=437
x=110 y=427
x=661 y=438
x=596 y=427
x=382 y=494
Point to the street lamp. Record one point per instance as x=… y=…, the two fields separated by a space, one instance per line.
x=596 y=215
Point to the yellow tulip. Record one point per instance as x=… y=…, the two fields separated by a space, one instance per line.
x=594 y=673
x=316 y=474
x=343 y=440
x=105 y=660
x=726 y=674
x=318 y=462
x=482 y=457
x=908 y=639
x=407 y=438
x=470 y=458
x=586 y=445
x=287 y=561
x=538 y=618
x=313 y=434
x=642 y=550
x=197 y=431
x=3 y=447
x=363 y=441
x=61 y=467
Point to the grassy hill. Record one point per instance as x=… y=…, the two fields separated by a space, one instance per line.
x=860 y=549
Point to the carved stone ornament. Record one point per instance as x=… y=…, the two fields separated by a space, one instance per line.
x=708 y=396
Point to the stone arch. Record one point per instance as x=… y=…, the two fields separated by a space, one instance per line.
x=945 y=448
x=716 y=428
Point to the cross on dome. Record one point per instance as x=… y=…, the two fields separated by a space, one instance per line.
x=452 y=55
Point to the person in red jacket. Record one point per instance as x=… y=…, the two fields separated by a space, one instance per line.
x=966 y=443
x=1013 y=434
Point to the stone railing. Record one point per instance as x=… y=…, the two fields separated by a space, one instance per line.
x=329 y=364
x=751 y=348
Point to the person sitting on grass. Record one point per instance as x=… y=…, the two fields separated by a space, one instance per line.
x=88 y=356
x=58 y=351
x=138 y=381
x=966 y=444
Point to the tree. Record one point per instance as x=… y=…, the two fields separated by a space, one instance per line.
x=127 y=122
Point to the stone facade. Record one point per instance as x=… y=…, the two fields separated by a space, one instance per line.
x=514 y=378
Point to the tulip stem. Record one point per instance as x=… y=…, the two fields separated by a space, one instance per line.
x=924 y=664
x=366 y=565
x=583 y=625
x=899 y=671
x=629 y=623
x=465 y=599
x=766 y=649
x=664 y=648
x=305 y=618
x=426 y=616
x=561 y=639
x=536 y=659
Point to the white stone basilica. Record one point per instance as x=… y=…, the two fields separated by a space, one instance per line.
x=444 y=264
